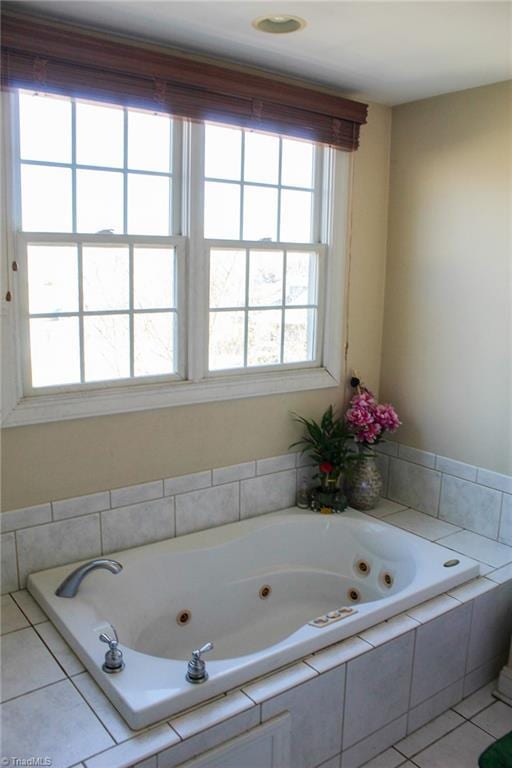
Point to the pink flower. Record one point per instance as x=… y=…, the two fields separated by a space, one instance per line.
x=365 y=398
x=359 y=416
x=368 y=420
x=386 y=416
x=368 y=434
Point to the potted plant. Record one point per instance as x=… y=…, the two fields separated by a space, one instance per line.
x=328 y=443
x=368 y=421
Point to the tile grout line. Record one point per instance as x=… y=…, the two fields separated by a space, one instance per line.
x=54 y=656
x=34 y=690
x=435 y=468
x=96 y=715
x=16 y=554
x=411 y=680
x=438 y=515
x=345 y=684
x=434 y=741
x=11 y=594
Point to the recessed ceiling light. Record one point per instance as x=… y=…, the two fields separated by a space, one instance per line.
x=279 y=24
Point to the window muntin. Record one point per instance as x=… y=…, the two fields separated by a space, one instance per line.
x=96 y=312
x=258 y=186
x=263 y=307
x=108 y=168
x=269 y=324
x=83 y=332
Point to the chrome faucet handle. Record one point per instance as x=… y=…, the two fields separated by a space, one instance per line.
x=196 y=668
x=114 y=661
x=204 y=649
x=111 y=642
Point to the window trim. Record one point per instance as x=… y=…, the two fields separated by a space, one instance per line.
x=199 y=387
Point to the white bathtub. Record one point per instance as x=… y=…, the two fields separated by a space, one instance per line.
x=310 y=561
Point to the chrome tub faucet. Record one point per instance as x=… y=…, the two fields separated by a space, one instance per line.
x=69 y=587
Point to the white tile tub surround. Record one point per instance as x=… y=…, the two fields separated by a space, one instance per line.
x=377 y=688
x=299 y=689
x=268 y=493
x=234 y=472
x=414 y=486
x=133 y=494
x=389 y=629
x=495 y=480
x=276 y=464
x=57 y=543
x=210 y=738
x=81 y=505
x=386 y=507
x=505 y=532
x=435 y=706
x=185 y=483
x=62 y=531
x=441 y=653
x=9 y=563
x=374 y=744
x=478 y=547
x=23 y=518
x=470 y=497
x=425 y=458
x=422 y=525
x=486 y=608
x=200 y=718
x=324 y=698
x=314 y=544
x=137 y=524
x=209 y=508
x=470 y=506
x=456 y=468
x=263 y=485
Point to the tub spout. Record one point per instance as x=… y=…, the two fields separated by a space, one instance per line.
x=69 y=587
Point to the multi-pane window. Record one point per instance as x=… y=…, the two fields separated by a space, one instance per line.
x=263 y=300
x=93 y=168
x=263 y=307
x=101 y=291
x=258 y=187
x=155 y=250
x=100 y=313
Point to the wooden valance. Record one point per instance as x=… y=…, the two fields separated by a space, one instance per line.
x=48 y=56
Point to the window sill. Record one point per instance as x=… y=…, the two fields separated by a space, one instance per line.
x=101 y=402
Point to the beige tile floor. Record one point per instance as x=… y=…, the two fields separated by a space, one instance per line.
x=455 y=739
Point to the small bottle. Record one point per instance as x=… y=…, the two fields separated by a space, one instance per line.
x=303 y=496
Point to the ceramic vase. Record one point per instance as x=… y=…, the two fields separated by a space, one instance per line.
x=364 y=487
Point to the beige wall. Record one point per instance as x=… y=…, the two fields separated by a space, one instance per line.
x=69 y=458
x=447 y=332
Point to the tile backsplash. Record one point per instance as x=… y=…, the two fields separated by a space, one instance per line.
x=63 y=531
x=470 y=497
x=60 y=532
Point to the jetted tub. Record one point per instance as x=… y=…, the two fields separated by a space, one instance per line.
x=251 y=588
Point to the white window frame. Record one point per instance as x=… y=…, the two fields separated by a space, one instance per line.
x=24 y=239
x=197 y=385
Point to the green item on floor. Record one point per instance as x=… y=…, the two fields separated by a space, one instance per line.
x=498 y=755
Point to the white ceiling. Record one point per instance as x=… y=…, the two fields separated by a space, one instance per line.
x=388 y=52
